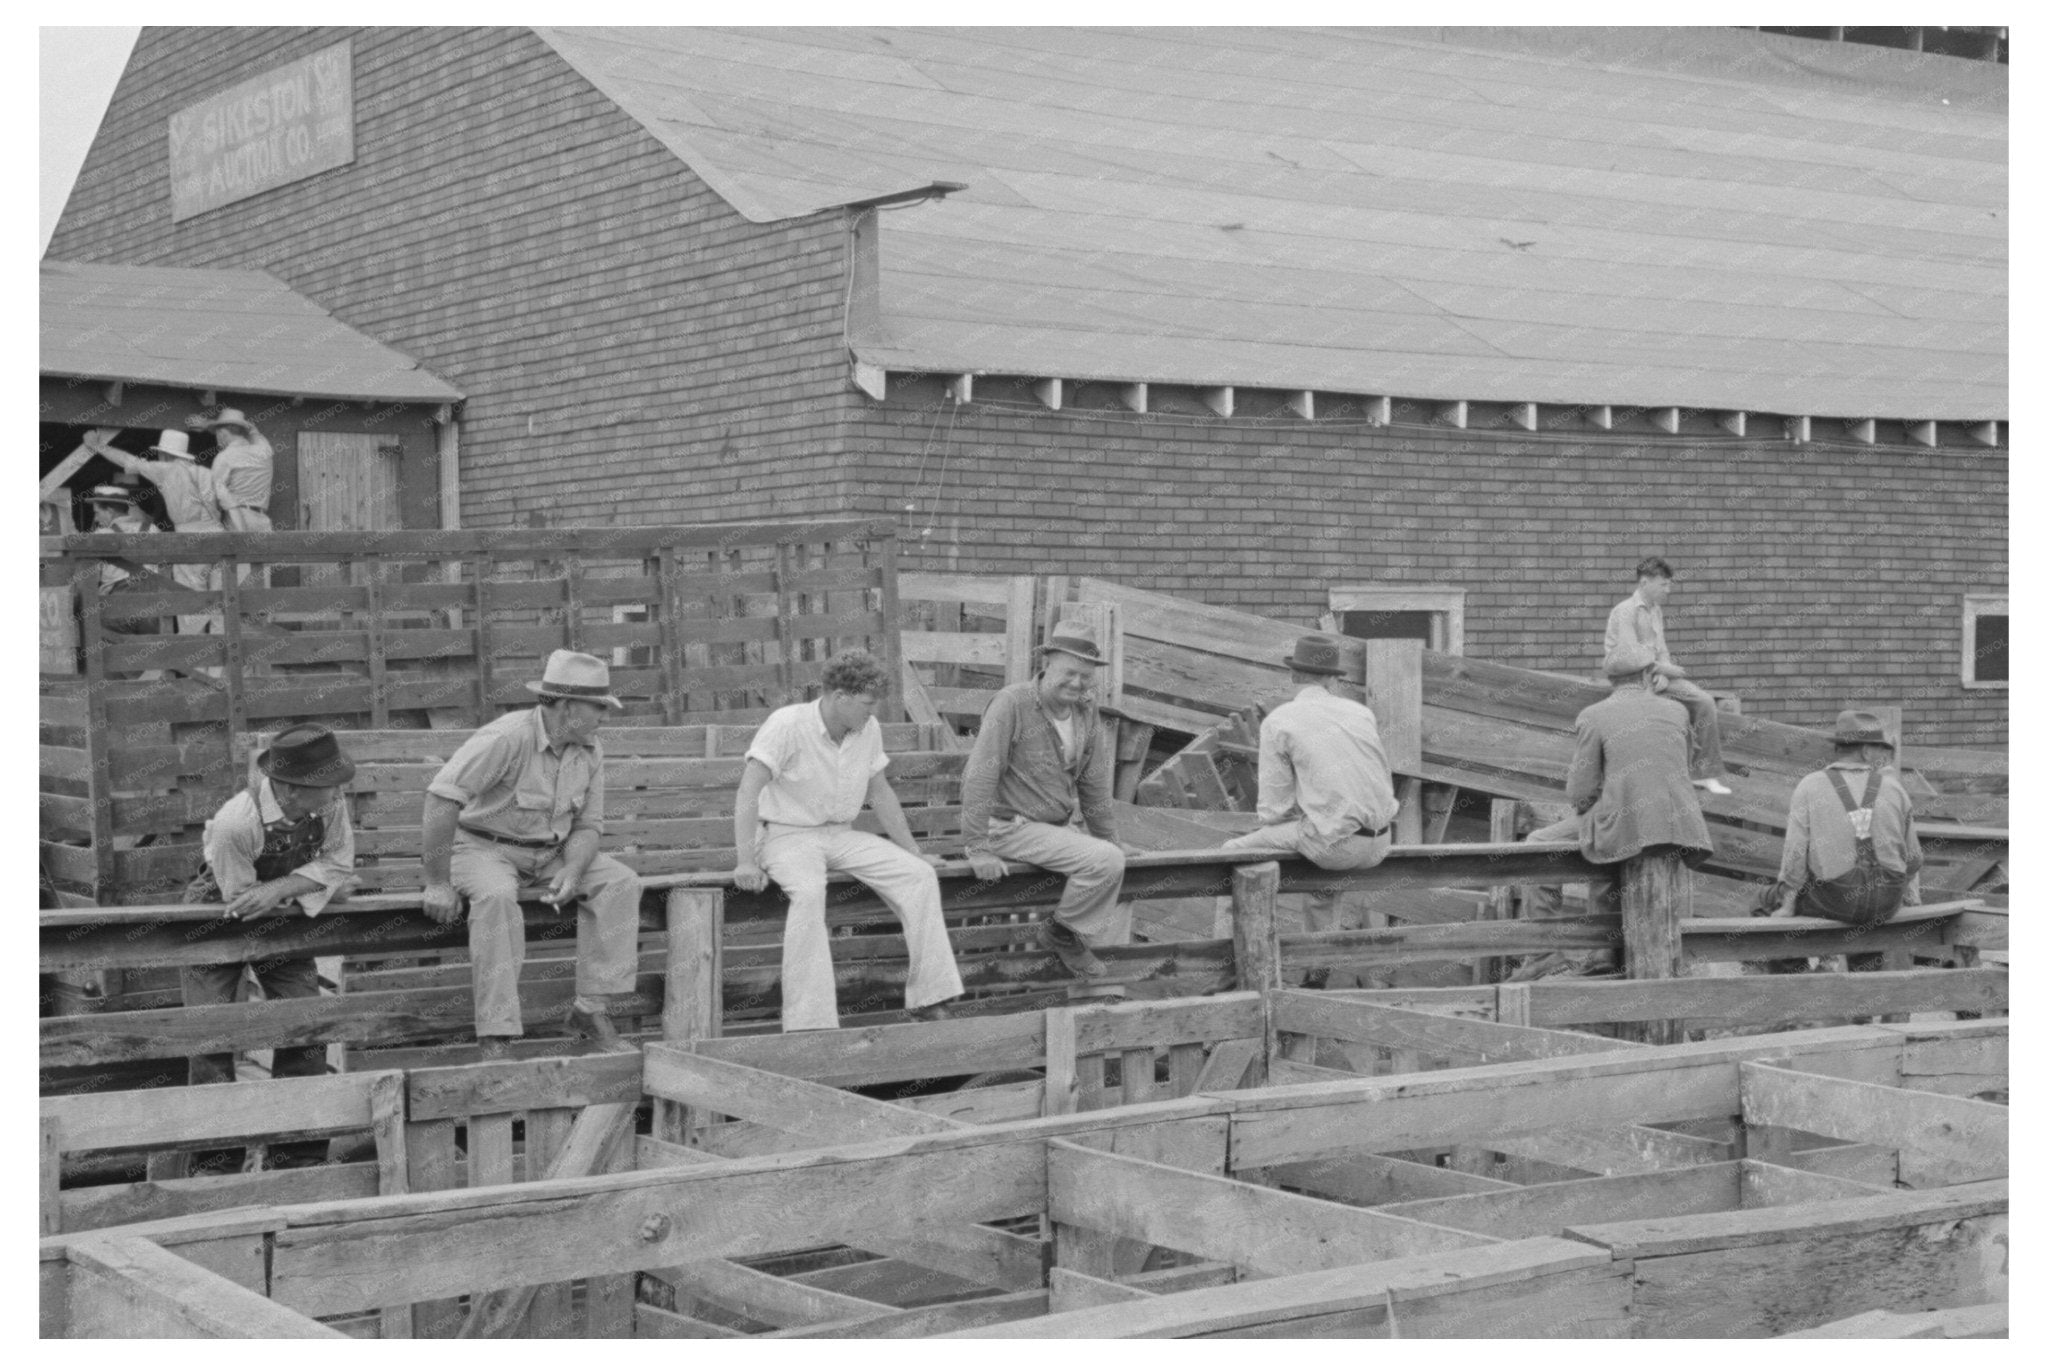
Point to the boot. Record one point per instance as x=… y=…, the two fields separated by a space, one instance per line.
x=592 y=1032
x=1067 y=946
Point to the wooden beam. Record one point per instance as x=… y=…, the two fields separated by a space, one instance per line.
x=1864 y=430
x=1984 y=433
x=1302 y=404
x=837 y=1116
x=1523 y=415
x=1540 y=1210
x=65 y=468
x=1941 y=1139
x=1768 y=1001
x=1050 y=392
x=765 y=1298
x=1666 y=419
x=1254 y=891
x=1222 y=401
x=1070 y=1289
x=1656 y=897
x=1921 y=433
x=1062 y=1081
x=187 y=1115
x=1735 y=423
x=1134 y=396
x=1453 y=414
x=693 y=992
x=662 y=1325
x=1984 y=1320
x=1370 y=1180
x=1615 y=1149
x=1537 y=1286
x=131 y=1287
x=962 y=389
x=1467 y=1041
x=1268 y=1231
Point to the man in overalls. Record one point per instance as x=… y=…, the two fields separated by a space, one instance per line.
x=285 y=841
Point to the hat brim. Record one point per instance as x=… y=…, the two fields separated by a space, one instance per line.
x=555 y=694
x=1299 y=667
x=1095 y=659
x=174 y=454
x=1867 y=739
x=336 y=772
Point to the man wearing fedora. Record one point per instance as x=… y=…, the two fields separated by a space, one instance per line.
x=810 y=769
x=285 y=841
x=191 y=500
x=1325 y=790
x=1041 y=757
x=1639 y=619
x=1851 y=852
x=521 y=805
x=242 y=466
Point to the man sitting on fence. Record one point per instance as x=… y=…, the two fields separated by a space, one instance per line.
x=1325 y=791
x=1639 y=619
x=520 y=806
x=1041 y=756
x=810 y=769
x=1851 y=853
x=284 y=841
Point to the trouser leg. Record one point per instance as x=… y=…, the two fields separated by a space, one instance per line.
x=1094 y=869
x=607 y=928
x=1603 y=897
x=200 y=578
x=293 y=978
x=907 y=884
x=489 y=880
x=1328 y=911
x=212 y=983
x=1705 y=720
x=795 y=858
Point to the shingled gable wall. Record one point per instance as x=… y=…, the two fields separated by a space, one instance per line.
x=1809 y=577
x=633 y=349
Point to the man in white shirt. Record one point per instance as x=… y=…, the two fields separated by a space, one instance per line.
x=242 y=468
x=810 y=769
x=190 y=500
x=1325 y=790
x=1638 y=619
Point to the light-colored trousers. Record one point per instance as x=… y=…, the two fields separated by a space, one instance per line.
x=200 y=578
x=1704 y=719
x=1094 y=869
x=798 y=857
x=1347 y=853
x=607 y=924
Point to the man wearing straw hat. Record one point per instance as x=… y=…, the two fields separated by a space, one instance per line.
x=114 y=513
x=1325 y=789
x=242 y=468
x=519 y=806
x=190 y=500
x=285 y=841
x=1041 y=757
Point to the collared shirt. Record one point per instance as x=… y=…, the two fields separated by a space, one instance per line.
x=190 y=495
x=1820 y=843
x=241 y=472
x=510 y=781
x=815 y=781
x=1018 y=769
x=1635 y=619
x=1321 y=754
x=234 y=840
x=127 y=524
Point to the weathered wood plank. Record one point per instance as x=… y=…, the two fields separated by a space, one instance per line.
x=131 y=1287
x=515 y=1086
x=1374 y=1181
x=765 y=1298
x=1543 y=1210
x=780 y=1101
x=1979 y=1320
x=149 y=1118
x=1469 y=1041
x=1941 y=1139
x=1070 y=1289
x=1266 y=1230
x=661 y=1325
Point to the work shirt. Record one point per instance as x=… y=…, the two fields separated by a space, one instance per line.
x=235 y=837
x=1018 y=769
x=190 y=495
x=1629 y=779
x=813 y=780
x=1820 y=843
x=1321 y=754
x=1637 y=620
x=512 y=783
x=241 y=472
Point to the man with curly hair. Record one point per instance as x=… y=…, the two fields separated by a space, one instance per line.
x=810 y=769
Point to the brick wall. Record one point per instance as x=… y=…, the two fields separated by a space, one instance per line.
x=1809 y=577
x=632 y=349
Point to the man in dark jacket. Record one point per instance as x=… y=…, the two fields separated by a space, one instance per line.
x=1628 y=776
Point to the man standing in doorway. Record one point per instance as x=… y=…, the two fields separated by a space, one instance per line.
x=190 y=499
x=1639 y=619
x=1325 y=790
x=810 y=769
x=521 y=805
x=1041 y=757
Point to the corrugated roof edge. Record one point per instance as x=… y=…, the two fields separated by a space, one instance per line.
x=749 y=206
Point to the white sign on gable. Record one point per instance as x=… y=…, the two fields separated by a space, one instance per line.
x=294 y=122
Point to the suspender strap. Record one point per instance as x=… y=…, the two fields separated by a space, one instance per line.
x=1871 y=786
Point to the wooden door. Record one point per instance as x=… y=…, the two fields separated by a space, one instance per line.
x=348 y=481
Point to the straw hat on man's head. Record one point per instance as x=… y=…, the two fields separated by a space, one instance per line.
x=578 y=677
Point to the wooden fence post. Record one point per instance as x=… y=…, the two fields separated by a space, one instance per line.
x=1656 y=894
x=692 y=1002
x=1254 y=895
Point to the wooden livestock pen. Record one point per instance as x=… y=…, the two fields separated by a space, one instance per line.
x=1506 y=1171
